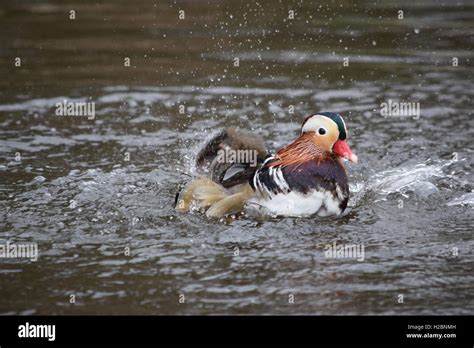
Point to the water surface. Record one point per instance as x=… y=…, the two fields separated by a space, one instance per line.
x=86 y=189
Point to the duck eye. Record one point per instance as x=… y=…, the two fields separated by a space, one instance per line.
x=322 y=131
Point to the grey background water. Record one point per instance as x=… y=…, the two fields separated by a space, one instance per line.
x=412 y=192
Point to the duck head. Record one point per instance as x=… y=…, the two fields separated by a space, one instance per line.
x=328 y=131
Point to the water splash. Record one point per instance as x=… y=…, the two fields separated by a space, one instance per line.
x=418 y=179
x=467 y=199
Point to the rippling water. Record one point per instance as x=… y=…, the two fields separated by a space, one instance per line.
x=87 y=189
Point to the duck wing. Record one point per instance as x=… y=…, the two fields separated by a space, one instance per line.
x=232 y=157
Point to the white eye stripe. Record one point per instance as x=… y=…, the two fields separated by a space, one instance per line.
x=314 y=123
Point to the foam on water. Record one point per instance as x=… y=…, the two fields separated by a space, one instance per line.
x=467 y=199
x=419 y=179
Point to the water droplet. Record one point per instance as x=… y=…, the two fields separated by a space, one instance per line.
x=39 y=179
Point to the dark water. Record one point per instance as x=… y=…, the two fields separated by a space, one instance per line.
x=74 y=193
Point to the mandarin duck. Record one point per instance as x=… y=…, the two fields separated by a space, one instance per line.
x=304 y=178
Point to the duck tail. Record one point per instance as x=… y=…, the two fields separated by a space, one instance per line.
x=217 y=200
x=231 y=204
x=202 y=191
